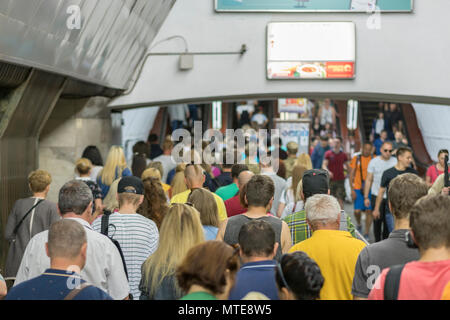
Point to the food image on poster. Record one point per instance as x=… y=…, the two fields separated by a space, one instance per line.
x=311 y=50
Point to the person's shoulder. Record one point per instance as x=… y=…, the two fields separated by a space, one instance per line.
x=295 y=216
x=93 y=293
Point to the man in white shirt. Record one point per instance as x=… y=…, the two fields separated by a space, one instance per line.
x=280 y=184
x=374 y=173
x=166 y=159
x=137 y=235
x=104 y=267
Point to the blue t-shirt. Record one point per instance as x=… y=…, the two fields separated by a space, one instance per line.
x=255 y=276
x=318 y=155
x=378 y=143
x=105 y=188
x=210 y=232
x=54 y=285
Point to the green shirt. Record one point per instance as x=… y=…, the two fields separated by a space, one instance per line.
x=199 y=296
x=228 y=191
x=300 y=230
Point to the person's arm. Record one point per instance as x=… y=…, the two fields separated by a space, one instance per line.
x=221 y=232
x=281 y=206
x=351 y=177
x=376 y=210
x=3 y=288
x=367 y=186
x=117 y=282
x=286 y=242
x=325 y=167
x=438 y=185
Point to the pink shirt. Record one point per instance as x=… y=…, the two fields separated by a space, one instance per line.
x=433 y=173
x=419 y=281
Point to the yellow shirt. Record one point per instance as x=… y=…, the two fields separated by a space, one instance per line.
x=336 y=253
x=183 y=196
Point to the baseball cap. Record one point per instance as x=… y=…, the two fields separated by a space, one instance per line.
x=130 y=184
x=315 y=181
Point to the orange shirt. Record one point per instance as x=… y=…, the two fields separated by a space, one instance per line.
x=355 y=164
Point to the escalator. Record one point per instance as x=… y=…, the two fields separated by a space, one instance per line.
x=368 y=112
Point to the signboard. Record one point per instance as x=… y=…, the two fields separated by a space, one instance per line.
x=311 y=50
x=314 y=5
x=295 y=130
x=293 y=105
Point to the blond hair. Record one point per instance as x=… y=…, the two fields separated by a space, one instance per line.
x=151 y=173
x=115 y=164
x=304 y=160
x=39 y=180
x=178 y=184
x=181 y=229
x=111 y=203
x=83 y=166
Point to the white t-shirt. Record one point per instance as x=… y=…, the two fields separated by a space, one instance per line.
x=377 y=166
x=168 y=164
x=103 y=269
x=259 y=118
x=245 y=107
x=138 y=237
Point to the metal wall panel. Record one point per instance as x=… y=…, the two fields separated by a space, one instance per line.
x=114 y=36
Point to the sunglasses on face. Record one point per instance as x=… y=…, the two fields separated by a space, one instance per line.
x=388 y=150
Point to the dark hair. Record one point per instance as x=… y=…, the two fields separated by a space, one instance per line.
x=141 y=147
x=442 y=151
x=430 y=221
x=404 y=191
x=323 y=138
x=367 y=143
x=339 y=138
x=205 y=265
x=92 y=153
x=236 y=170
x=402 y=150
x=258 y=191
x=74 y=196
x=257 y=238
x=139 y=164
x=302 y=275
x=153 y=137
x=155 y=204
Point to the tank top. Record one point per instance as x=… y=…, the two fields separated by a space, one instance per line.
x=235 y=223
x=326 y=116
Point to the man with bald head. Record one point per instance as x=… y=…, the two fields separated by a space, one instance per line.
x=233 y=205
x=194 y=178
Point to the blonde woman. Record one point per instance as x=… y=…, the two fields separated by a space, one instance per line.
x=181 y=229
x=115 y=167
x=110 y=202
x=204 y=201
x=304 y=160
x=155 y=173
x=290 y=200
x=178 y=184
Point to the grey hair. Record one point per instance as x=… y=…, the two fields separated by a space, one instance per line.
x=74 y=196
x=322 y=207
x=65 y=239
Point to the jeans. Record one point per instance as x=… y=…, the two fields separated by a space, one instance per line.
x=389 y=220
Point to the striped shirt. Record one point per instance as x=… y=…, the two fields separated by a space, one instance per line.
x=138 y=238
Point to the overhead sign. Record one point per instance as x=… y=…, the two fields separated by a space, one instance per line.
x=315 y=5
x=311 y=50
x=296 y=131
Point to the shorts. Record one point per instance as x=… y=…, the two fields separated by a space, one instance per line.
x=359 y=202
x=337 y=189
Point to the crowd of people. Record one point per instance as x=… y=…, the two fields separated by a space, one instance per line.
x=161 y=229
